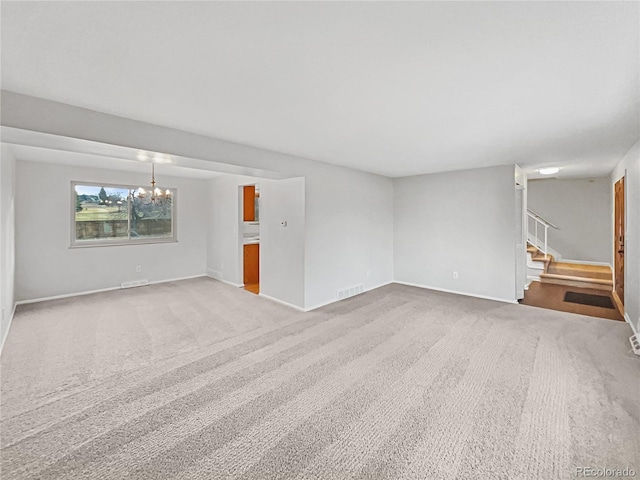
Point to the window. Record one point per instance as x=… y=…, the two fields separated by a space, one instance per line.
x=117 y=214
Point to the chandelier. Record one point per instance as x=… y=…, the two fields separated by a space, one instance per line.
x=155 y=195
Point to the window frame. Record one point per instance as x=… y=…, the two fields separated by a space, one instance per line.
x=75 y=243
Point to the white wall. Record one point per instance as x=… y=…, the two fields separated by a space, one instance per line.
x=521 y=181
x=282 y=252
x=348 y=213
x=581 y=208
x=223 y=254
x=459 y=221
x=349 y=234
x=630 y=166
x=46 y=266
x=7 y=240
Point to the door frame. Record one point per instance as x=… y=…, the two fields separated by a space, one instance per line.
x=241 y=229
x=619 y=232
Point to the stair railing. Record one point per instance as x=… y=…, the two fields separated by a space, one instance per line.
x=545 y=225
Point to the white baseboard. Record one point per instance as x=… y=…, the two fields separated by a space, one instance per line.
x=384 y=284
x=177 y=279
x=101 y=290
x=213 y=273
x=628 y=320
x=67 y=295
x=324 y=304
x=586 y=262
x=282 y=302
x=6 y=334
x=329 y=302
x=466 y=294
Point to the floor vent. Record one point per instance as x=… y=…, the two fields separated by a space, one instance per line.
x=350 y=292
x=635 y=344
x=135 y=283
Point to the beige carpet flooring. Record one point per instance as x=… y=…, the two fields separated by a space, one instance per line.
x=200 y=380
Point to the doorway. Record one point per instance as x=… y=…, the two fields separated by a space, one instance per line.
x=618 y=243
x=521 y=242
x=251 y=237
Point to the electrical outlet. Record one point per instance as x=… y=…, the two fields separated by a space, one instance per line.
x=368 y=273
x=221 y=265
x=455 y=275
x=138 y=268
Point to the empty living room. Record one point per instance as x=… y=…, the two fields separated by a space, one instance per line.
x=319 y=240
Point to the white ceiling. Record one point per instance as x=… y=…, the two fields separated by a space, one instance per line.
x=42 y=147
x=396 y=88
x=77 y=159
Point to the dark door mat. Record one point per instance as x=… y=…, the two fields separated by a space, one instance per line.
x=589 y=299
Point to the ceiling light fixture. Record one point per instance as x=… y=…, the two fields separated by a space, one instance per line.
x=155 y=195
x=548 y=170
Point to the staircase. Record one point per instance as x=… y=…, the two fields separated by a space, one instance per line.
x=537 y=262
x=595 y=277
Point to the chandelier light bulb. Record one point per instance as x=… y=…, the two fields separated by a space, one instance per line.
x=155 y=195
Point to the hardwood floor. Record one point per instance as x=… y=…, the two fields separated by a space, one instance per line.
x=550 y=296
